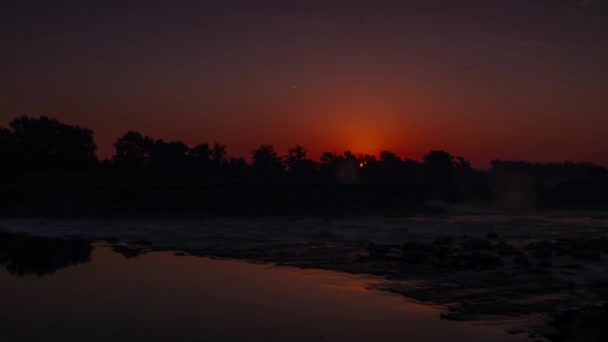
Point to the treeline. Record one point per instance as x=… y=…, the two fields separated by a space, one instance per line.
x=52 y=165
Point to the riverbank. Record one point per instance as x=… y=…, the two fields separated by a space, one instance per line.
x=515 y=270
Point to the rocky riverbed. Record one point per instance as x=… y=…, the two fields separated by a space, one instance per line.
x=544 y=276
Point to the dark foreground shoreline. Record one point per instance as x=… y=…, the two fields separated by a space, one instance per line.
x=480 y=268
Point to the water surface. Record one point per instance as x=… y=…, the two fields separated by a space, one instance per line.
x=159 y=296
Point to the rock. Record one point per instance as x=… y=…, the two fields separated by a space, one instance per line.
x=476 y=244
x=476 y=261
x=442 y=252
x=444 y=241
x=111 y=239
x=522 y=261
x=583 y=324
x=377 y=250
x=582 y=247
x=504 y=249
x=140 y=242
x=415 y=252
x=541 y=249
x=414 y=246
x=602 y=283
x=492 y=235
x=515 y=331
x=126 y=251
x=452 y=316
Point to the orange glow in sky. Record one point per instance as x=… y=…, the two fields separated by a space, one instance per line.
x=512 y=80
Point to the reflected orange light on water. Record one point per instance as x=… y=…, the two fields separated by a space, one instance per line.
x=193 y=298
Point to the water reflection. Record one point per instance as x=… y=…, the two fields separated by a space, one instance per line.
x=22 y=254
x=127 y=251
x=159 y=296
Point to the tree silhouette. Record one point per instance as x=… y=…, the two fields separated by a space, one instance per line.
x=7 y=157
x=388 y=170
x=389 y=158
x=209 y=160
x=330 y=162
x=201 y=156
x=295 y=155
x=218 y=153
x=440 y=165
x=168 y=157
x=368 y=159
x=463 y=164
x=298 y=165
x=211 y=181
x=266 y=160
x=350 y=157
x=237 y=166
x=330 y=158
x=45 y=144
x=133 y=150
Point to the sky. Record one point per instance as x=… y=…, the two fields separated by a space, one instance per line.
x=504 y=79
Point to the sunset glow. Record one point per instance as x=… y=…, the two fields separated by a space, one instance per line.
x=460 y=144
x=481 y=79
